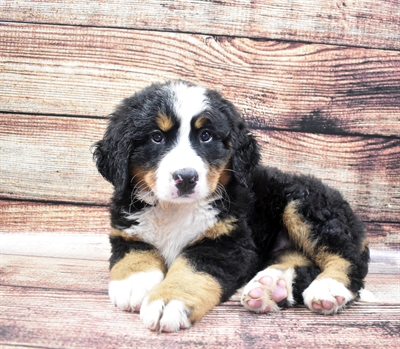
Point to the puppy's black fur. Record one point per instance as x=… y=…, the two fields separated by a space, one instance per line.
x=260 y=201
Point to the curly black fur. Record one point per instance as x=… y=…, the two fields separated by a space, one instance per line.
x=256 y=196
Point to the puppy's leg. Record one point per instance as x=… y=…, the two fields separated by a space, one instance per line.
x=329 y=293
x=274 y=287
x=136 y=268
x=325 y=242
x=206 y=273
x=184 y=297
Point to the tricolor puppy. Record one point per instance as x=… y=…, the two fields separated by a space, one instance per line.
x=194 y=216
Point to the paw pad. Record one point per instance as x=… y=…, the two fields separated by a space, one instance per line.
x=268 y=290
x=326 y=296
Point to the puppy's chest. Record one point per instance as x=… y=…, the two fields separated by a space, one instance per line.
x=171 y=230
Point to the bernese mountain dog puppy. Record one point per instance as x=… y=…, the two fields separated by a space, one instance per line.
x=194 y=216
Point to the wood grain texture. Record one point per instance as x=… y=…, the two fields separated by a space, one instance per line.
x=57 y=318
x=355 y=23
x=383 y=236
x=49 y=158
x=60 y=300
x=47 y=218
x=87 y=71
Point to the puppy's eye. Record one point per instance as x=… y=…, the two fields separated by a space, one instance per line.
x=157 y=137
x=205 y=136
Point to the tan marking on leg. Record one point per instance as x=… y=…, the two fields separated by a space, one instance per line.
x=199 y=123
x=164 y=122
x=119 y=233
x=291 y=259
x=135 y=262
x=333 y=266
x=199 y=291
x=299 y=230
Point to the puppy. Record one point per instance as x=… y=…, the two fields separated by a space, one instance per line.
x=194 y=216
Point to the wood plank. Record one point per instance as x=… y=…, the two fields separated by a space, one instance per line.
x=62 y=301
x=95 y=247
x=366 y=170
x=88 y=272
x=383 y=236
x=55 y=318
x=49 y=158
x=305 y=87
x=356 y=23
x=48 y=218
x=81 y=275
x=57 y=148
x=385 y=262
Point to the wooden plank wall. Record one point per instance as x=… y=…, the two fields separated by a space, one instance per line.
x=319 y=83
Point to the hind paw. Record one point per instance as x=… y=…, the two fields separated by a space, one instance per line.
x=326 y=296
x=268 y=290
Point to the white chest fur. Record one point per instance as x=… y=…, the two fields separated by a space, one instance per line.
x=170 y=229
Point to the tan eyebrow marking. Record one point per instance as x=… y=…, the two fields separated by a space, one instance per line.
x=164 y=122
x=199 y=123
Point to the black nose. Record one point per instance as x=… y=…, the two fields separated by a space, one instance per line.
x=185 y=180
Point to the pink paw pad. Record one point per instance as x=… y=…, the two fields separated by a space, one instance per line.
x=268 y=292
x=327 y=305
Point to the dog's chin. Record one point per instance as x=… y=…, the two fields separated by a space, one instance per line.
x=181 y=199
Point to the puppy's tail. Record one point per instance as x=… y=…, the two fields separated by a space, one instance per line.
x=366 y=296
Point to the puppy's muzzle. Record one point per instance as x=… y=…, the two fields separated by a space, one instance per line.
x=185 y=180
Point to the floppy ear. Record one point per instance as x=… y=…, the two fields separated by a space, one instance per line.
x=245 y=151
x=246 y=154
x=112 y=154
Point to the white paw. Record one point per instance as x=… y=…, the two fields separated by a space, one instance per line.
x=326 y=296
x=268 y=288
x=128 y=294
x=171 y=317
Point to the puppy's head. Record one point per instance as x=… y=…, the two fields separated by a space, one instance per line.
x=175 y=142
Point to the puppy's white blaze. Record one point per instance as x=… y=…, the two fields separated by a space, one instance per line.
x=187 y=101
x=327 y=289
x=180 y=157
x=171 y=227
x=129 y=293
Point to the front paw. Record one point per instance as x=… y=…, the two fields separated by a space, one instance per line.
x=128 y=294
x=161 y=317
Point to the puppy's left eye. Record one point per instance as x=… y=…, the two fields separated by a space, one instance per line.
x=157 y=137
x=205 y=136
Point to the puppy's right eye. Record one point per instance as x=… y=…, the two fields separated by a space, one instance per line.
x=157 y=137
